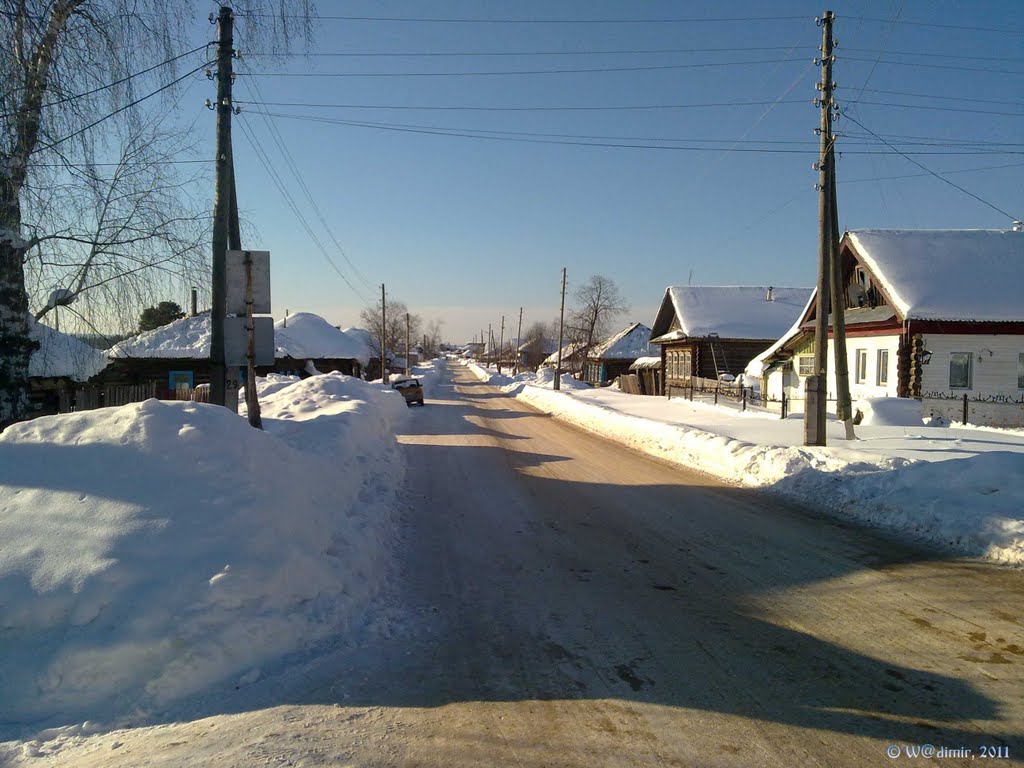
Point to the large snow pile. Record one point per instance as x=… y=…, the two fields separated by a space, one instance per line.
x=889 y=412
x=305 y=335
x=183 y=339
x=158 y=550
x=971 y=502
x=60 y=355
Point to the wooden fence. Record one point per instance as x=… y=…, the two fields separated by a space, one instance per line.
x=90 y=398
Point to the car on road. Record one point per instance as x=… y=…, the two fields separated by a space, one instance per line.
x=411 y=390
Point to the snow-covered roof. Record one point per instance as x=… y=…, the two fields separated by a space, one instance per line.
x=950 y=274
x=755 y=368
x=732 y=312
x=62 y=356
x=628 y=344
x=184 y=339
x=568 y=351
x=547 y=345
x=307 y=336
x=304 y=335
x=645 y=362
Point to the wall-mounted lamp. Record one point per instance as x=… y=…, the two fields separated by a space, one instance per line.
x=926 y=357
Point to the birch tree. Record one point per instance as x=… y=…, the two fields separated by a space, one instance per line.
x=69 y=71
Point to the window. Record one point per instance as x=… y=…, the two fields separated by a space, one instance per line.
x=960 y=370
x=1020 y=371
x=179 y=378
x=882 y=372
x=861 y=360
x=805 y=365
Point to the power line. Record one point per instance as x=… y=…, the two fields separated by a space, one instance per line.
x=425 y=20
x=945 y=98
x=588 y=70
x=931 y=54
x=1000 y=30
x=525 y=109
x=279 y=183
x=469 y=134
x=936 y=108
x=114 y=84
x=926 y=65
x=929 y=170
x=922 y=175
x=297 y=175
x=615 y=52
x=80 y=131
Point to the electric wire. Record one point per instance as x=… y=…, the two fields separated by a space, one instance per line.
x=114 y=84
x=257 y=147
x=297 y=175
x=109 y=115
x=321 y=105
x=906 y=156
x=432 y=54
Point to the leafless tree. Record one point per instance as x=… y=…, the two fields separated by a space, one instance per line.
x=394 y=333
x=69 y=71
x=432 y=338
x=598 y=303
x=537 y=343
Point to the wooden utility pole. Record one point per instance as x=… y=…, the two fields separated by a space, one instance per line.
x=816 y=388
x=252 y=402
x=561 y=322
x=519 y=339
x=844 y=403
x=221 y=207
x=408 y=345
x=490 y=339
x=383 y=331
x=501 y=343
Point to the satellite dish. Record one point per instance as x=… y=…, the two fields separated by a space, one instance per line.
x=60 y=297
x=857 y=295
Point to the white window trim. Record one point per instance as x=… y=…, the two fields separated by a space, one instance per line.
x=860 y=371
x=881 y=370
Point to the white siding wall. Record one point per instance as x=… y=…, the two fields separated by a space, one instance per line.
x=870 y=387
x=993 y=364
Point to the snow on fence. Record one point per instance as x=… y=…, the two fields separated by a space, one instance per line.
x=727 y=393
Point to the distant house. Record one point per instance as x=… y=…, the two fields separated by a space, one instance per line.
x=613 y=356
x=532 y=353
x=714 y=331
x=933 y=314
x=57 y=367
x=178 y=354
x=572 y=356
x=304 y=339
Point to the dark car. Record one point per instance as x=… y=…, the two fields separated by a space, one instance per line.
x=410 y=389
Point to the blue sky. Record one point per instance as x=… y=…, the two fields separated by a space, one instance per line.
x=467 y=229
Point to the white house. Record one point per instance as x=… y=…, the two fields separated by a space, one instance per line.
x=930 y=314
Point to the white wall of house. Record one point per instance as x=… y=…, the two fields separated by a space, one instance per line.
x=872 y=384
x=995 y=364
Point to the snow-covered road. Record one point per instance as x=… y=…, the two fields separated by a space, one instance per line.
x=564 y=601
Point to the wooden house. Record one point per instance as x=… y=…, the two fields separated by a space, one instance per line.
x=59 y=366
x=178 y=354
x=930 y=314
x=613 y=356
x=712 y=332
x=532 y=353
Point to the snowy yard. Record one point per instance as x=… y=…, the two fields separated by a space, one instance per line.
x=163 y=551
x=962 y=488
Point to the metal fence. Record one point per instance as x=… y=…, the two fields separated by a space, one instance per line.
x=728 y=393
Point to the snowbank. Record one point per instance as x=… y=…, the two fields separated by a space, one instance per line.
x=161 y=549
x=544 y=377
x=965 y=495
x=889 y=412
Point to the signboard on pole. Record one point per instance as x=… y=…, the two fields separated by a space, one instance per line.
x=236 y=341
x=236 y=281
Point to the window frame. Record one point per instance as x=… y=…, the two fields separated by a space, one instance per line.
x=882 y=368
x=800 y=360
x=970 y=370
x=860 y=366
x=1020 y=370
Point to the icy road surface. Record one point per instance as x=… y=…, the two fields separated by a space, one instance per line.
x=564 y=601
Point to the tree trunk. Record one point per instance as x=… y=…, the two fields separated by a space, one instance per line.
x=14 y=339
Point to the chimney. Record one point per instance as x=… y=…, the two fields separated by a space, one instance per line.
x=771 y=293
x=195 y=301
x=285 y=325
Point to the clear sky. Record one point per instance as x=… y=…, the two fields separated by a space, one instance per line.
x=466 y=229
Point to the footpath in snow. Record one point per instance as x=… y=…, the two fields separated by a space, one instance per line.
x=162 y=551
x=960 y=488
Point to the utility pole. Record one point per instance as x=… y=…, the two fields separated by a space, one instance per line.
x=816 y=389
x=383 y=331
x=490 y=339
x=408 y=345
x=519 y=339
x=221 y=207
x=844 y=404
x=501 y=343
x=561 y=322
